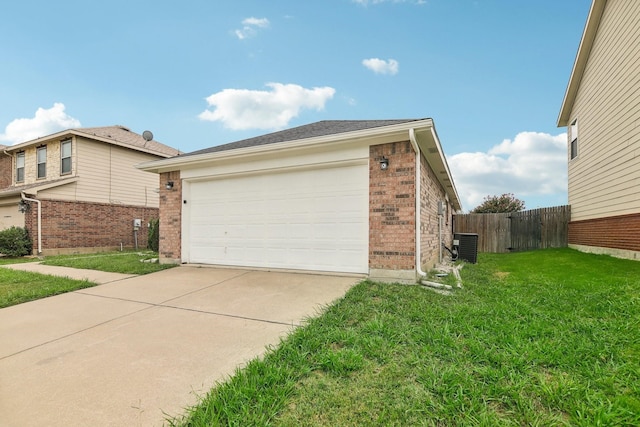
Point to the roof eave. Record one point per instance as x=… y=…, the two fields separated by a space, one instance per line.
x=580 y=63
x=34 y=189
x=175 y=163
x=432 y=151
x=76 y=132
x=57 y=135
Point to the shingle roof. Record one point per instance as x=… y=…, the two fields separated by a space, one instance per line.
x=125 y=136
x=322 y=128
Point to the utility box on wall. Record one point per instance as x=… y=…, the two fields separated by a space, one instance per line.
x=467 y=246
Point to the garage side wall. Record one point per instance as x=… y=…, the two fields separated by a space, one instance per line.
x=392 y=213
x=170 y=241
x=432 y=192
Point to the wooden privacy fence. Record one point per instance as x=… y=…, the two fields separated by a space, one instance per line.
x=517 y=231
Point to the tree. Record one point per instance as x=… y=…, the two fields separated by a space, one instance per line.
x=500 y=204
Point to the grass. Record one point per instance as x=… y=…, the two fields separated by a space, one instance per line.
x=128 y=262
x=17 y=287
x=536 y=338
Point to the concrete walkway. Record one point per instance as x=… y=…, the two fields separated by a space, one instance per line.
x=137 y=350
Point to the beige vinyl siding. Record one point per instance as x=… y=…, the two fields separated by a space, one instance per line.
x=604 y=179
x=9 y=214
x=107 y=174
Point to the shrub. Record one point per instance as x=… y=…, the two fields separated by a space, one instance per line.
x=153 y=239
x=15 y=242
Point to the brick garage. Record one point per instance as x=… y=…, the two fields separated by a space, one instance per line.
x=73 y=227
x=324 y=161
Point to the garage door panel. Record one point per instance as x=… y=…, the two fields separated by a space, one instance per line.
x=314 y=219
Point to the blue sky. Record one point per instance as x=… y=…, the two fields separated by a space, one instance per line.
x=199 y=73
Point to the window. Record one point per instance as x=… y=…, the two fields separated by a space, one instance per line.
x=41 y=155
x=573 y=137
x=65 y=157
x=20 y=166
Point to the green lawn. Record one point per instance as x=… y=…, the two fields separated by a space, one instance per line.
x=128 y=262
x=18 y=286
x=537 y=338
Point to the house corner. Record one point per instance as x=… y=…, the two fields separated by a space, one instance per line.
x=392 y=236
x=170 y=239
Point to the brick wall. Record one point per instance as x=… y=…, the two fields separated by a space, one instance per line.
x=6 y=170
x=72 y=226
x=432 y=193
x=618 y=232
x=392 y=207
x=170 y=218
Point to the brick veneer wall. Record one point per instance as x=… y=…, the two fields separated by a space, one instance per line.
x=69 y=226
x=617 y=232
x=170 y=219
x=6 y=170
x=432 y=193
x=392 y=207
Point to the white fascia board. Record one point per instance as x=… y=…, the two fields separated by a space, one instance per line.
x=429 y=143
x=580 y=63
x=38 y=141
x=374 y=134
x=73 y=132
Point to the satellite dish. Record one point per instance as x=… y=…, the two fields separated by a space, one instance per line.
x=147 y=135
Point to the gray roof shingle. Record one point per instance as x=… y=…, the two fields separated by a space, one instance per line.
x=125 y=136
x=322 y=128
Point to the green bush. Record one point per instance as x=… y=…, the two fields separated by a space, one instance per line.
x=153 y=239
x=15 y=242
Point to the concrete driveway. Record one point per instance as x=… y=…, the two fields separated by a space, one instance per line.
x=137 y=350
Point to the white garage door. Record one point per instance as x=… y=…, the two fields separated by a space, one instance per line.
x=310 y=219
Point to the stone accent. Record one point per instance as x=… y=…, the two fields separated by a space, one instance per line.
x=75 y=227
x=392 y=207
x=620 y=233
x=6 y=170
x=170 y=219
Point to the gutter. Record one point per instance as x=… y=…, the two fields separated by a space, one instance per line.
x=39 y=220
x=416 y=148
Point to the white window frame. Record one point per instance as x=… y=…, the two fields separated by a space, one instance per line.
x=40 y=162
x=20 y=161
x=63 y=144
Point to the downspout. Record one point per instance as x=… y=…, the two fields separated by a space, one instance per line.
x=39 y=220
x=414 y=143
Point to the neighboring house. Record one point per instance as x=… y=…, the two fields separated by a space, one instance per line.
x=601 y=109
x=86 y=187
x=358 y=196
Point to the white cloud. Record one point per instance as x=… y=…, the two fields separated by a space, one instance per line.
x=380 y=66
x=45 y=122
x=250 y=27
x=258 y=109
x=532 y=164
